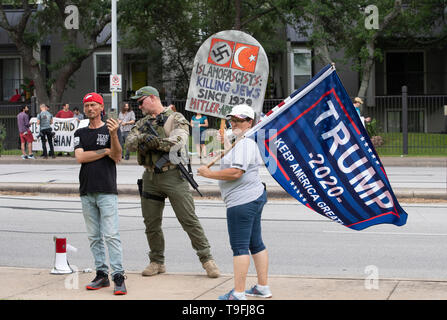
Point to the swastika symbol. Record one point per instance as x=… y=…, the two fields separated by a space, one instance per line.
x=221 y=53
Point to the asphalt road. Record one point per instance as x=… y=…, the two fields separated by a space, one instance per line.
x=299 y=241
x=400 y=177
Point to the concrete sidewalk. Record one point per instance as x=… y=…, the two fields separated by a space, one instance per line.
x=39 y=284
x=212 y=190
x=387 y=161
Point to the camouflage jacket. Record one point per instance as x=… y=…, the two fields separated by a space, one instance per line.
x=173 y=131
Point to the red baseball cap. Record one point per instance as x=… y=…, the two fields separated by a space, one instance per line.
x=93 y=97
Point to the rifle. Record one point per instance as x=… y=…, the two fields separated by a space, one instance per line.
x=165 y=158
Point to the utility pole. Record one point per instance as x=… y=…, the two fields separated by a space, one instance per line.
x=405 y=120
x=114 y=55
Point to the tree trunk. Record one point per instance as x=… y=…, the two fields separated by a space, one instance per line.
x=369 y=63
x=322 y=52
x=237 y=18
x=32 y=65
x=366 y=71
x=321 y=48
x=64 y=74
x=366 y=74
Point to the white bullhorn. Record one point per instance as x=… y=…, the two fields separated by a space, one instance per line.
x=61 y=265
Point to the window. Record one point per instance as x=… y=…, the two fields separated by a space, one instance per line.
x=405 y=69
x=301 y=67
x=10 y=77
x=103 y=69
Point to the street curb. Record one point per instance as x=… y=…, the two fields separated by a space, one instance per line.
x=209 y=191
x=387 y=161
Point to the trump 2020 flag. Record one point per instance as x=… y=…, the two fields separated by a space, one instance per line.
x=315 y=146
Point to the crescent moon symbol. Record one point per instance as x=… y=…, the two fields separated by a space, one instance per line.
x=236 y=56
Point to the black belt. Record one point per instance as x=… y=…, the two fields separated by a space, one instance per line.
x=162 y=169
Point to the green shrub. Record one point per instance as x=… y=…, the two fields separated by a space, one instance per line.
x=2 y=136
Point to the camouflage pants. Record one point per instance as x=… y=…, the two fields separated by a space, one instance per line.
x=170 y=184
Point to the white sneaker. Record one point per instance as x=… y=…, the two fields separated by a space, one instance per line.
x=31 y=156
x=255 y=291
x=24 y=157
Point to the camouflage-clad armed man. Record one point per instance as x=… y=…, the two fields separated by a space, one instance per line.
x=164 y=131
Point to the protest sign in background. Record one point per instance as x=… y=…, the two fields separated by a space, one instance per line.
x=63 y=128
x=230 y=68
x=315 y=146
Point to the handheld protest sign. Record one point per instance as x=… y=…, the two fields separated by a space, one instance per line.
x=230 y=68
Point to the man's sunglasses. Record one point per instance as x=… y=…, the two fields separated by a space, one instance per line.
x=140 y=102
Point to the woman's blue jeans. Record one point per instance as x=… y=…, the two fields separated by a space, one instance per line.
x=101 y=220
x=244 y=227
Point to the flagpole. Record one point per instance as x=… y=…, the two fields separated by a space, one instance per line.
x=262 y=123
x=220 y=156
x=223 y=152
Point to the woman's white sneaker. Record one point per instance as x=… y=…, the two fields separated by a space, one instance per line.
x=256 y=291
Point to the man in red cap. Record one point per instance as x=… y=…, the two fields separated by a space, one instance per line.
x=98 y=149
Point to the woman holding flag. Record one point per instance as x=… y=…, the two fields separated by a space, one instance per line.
x=244 y=195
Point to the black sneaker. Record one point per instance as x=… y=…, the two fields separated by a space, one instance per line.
x=120 y=287
x=101 y=281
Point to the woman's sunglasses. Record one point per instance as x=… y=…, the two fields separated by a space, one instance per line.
x=237 y=120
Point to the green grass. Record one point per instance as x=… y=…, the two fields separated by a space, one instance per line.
x=419 y=144
x=11 y=152
x=18 y=152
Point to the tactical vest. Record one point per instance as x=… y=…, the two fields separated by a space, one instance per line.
x=163 y=125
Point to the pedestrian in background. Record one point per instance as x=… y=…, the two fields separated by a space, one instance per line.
x=244 y=195
x=45 y=120
x=159 y=183
x=199 y=123
x=126 y=119
x=357 y=103
x=26 y=137
x=98 y=149
x=77 y=114
x=65 y=112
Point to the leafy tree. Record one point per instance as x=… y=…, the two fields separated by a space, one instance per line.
x=180 y=27
x=340 y=25
x=38 y=22
x=334 y=25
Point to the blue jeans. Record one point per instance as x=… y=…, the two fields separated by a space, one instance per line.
x=244 y=226
x=101 y=220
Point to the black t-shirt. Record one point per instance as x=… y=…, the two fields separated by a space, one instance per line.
x=100 y=175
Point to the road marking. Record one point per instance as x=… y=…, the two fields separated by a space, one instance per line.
x=391 y=233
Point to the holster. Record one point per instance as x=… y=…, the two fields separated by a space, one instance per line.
x=147 y=195
x=140 y=187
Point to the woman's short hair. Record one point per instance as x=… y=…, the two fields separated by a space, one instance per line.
x=358 y=100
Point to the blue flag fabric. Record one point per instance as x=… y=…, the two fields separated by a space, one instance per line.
x=316 y=147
